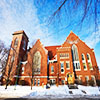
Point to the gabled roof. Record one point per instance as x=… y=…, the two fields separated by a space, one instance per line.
x=72 y=37
x=36 y=44
x=52 y=51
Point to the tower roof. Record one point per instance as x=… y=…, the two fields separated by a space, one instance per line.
x=20 y=32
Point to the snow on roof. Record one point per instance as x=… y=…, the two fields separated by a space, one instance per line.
x=24 y=62
x=54 y=60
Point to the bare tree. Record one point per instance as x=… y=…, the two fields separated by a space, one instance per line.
x=4 y=51
x=3 y=54
x=8 y=74
x=17 y=71
x=33 y=66
x=75 y=11
x=10 y=71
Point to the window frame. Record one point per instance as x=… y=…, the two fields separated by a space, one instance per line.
x=37 y=55
x=24 y=45
x=34 y=82
x=38 y=83
x=12 y=58
x=80 y=77
x=84 y=61
x=64 y=55
x=52 y=81
x=62 y=62
x=75 y=55
x=85 y=65
x=75 y=67
x=88 y=56
x=89 y=61
x=83 y=57
x=86 y=80
x=52 y=71
x=67 y=62
x=90 y=65
x=92 y=76
x=23 y=70
x=16 y=42
x=62 y=82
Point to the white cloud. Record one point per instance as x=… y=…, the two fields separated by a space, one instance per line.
x=22 y=15
x=93 y=39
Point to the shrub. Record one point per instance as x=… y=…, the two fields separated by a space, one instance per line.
x=23 y=82
x=91 y=82
x=79 y=82
x=98 y=82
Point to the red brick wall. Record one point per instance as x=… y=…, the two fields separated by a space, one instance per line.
x=16 y=51
x=51 y=51
x=82 y=48
x=28 y=67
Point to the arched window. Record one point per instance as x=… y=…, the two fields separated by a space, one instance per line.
x=89 y=61
x=83 y=57
x=88 y=56
x=84 y=62
x=24 y=44
x=75 y=53
x=75 y=58
x=52 y=69
x=16 y=42
x=12 y=59
x=37 y=62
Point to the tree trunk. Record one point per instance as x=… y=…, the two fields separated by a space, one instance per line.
x=6 y=86
x=31 y=83
x=7 y=81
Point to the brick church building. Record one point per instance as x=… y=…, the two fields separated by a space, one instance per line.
x=40 y=64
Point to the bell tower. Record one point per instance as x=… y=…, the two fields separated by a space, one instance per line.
x=19 y=43
x=17 y=53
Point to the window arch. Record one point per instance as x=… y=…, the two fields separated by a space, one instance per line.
x=84 y=62
x=75 y=58
x=83 y=56
x=75 y=53
x=52 y=69
x=89 y=61
x=12 y=58
x=37 y=61
x=24 y=44
x=16 y=42
x=88 y=56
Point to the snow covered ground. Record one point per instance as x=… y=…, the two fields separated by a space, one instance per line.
x=54 y=91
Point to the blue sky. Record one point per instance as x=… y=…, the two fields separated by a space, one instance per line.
x=31 y=17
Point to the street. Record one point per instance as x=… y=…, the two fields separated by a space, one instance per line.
x=52 y=98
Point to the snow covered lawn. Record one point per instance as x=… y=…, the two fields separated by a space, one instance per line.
x=54 y=91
